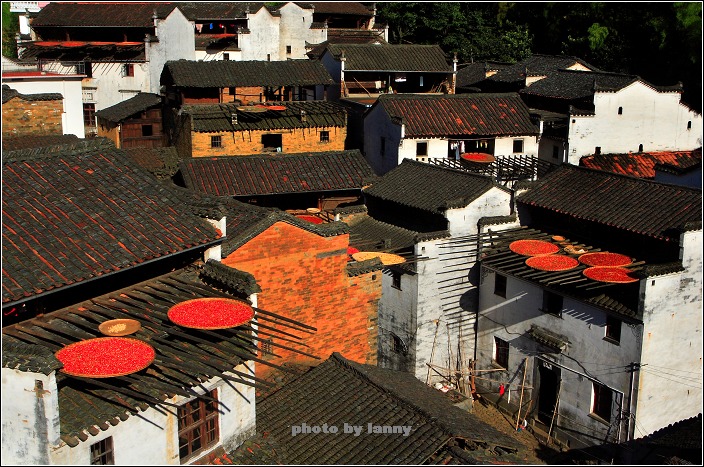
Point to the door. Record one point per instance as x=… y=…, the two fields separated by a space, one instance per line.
x=549 y=380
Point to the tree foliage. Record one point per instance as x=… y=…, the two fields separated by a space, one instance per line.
x=659 y=41
x=10 y=26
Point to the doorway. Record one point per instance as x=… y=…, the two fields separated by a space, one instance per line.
x=549 y=381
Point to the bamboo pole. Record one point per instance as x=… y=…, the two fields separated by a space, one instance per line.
x=432 y=352
x=520 y=401
x=554 y=412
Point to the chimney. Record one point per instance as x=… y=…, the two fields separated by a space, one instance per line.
x=304 y=118
x=234 y=118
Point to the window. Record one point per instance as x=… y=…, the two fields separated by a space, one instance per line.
x=689 y=125
x=272 y=142
x=89 y=115
x=87 y=69
x=397 y=344
x=128 y=69
x=517 y=145
x=601 y=401
x=324 y=136
x=268 y=57
x=555 y=152
x=613 y=329
x=147 y=130
x=216 y=141
x=501 y=352
x=640 y=148
x=420 y=83
x=101 y=452
x=552 y=303
x=383 y=146
x=396 y=279
x=421 y=148
x=500 y=285
x=620 y=110
x=288 y=49
x=597 y=150
x=197 y=426
x=225 y=56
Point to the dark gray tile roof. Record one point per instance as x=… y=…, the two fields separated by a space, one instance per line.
x=74 y=213
x=36 y=141
x=547 y=337
x=105 y=52
x=213 y=42
x=537 y=65
x=88 y=406
x=132 y=106
x=277 y=174
x=161 y=162
x=369 y=234
x=473 y=73
x=218 y=117
x=9 y=93
x=455 y=115
x=338 y=8
x=686 y=434
x=203 y=11
x=428 y=187
x=392 y=57
x=641 y=206
x=231 y=73
x=107 y=14
x=339 y=391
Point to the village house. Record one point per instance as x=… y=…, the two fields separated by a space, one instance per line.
x=586 y=354
x=427 y=311
x=319 y=181
x=136 y=122
x=423 y=128
x=30 y=81
x=235 y=130
x=246 y=82
x=31 y=114
x=340 y=394
x=120 y=48
x=677 y=167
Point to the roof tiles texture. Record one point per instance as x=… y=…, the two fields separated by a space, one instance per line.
x=125 y=109
x=642 y=165
x=392 y=57
x=69 y=216
x=460 y=114
x=202 y=11
x=641 y=206
x=428 y=187
x=339 y=8
x=230 y=73
x=85 y=51
x=537 y=64
x=277 y=174
x=8 y=93
x=218 y=117
x=107 y=14
x=339 y=391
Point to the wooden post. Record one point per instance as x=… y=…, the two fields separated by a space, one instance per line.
x=520 y=401
x=432 y=352
x=554 y=412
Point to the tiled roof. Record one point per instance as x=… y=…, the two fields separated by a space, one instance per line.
x=88 y=406
x=392 y=57
x=339 y=391
x=231 y=73
x=537 y=65
x=35 y=141
x=215 y=41
x=547 y=337
x=84 y=51
x=346 y=36
x=685 y=434
x=428 y=187
x=161 y=162
x=218 y=117
x=203 y=11
x=369 y=234
x=277 y=174
x=132 y=106
x=106 y=14
x=72 y=215
x=474 y=73
x=569 y=84
x=338 y=8
x=641 y=206
x=9 y=93
x=642 y=165
x=459 y=114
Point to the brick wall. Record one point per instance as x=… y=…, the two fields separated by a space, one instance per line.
x=303 y=277
x=243 y=143
x=21 y=117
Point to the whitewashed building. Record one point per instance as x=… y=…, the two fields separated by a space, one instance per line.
x=427 y=311
x=594 y=361
x=424 y=127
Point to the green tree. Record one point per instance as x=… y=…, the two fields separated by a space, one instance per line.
x=10 y=26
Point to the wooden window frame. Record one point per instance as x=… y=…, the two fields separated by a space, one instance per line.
x=216 y=141
x=127 y=70
x=501 y=352
x=612 y=330
x=601 y=405
x=396 y=279
x=89 y=119
x=324 y=136
x=204 y=427
x=102 y=452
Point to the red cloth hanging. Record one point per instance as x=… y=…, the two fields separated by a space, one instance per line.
x=501 y=390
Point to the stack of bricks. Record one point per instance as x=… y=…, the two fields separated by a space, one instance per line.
x=303 y=276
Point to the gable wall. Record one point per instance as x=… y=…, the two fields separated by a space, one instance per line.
x=303 y=276
x=243 y=143
x=377 y=125
x=263 y=37
x=176 y=41
x=654 y=119
x=295 y=31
